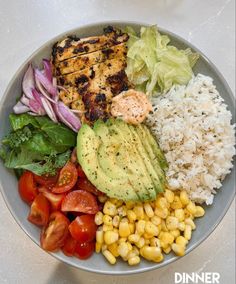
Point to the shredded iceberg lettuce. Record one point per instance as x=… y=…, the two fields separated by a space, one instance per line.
x=154 y=66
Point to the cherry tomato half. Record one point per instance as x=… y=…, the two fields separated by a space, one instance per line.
x=46 y=180
x=85 y=184
x=53 y=235
x=39 y=211
x=83 y=228
x=69 y=246
x=67 y=178
x=84 y=250
x=54 y=199
x=27 y=187
x=80 y=201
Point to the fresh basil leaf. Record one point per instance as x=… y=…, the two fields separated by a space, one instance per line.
x=56 y=132
x=18 y=121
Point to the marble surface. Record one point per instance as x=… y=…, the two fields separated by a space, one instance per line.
x=27 y=24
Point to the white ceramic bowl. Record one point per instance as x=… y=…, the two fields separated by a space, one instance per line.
x=97 y=263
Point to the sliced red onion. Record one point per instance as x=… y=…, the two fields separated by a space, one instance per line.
x=33 y=113
x=49 y=110
x=36 y=107
x=68 y=117
x=20 y=108
x=37 y=96
x=43 y=92
x=45 y=82
x=28 y=82
x=24 y=100
x=47 y=69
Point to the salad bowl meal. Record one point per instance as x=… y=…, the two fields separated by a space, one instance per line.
x=117 y=147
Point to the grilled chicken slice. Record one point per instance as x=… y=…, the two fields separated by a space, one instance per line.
x=92 y=75
x=81 y=62
x=73 y=46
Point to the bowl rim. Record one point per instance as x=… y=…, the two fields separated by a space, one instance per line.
x=67 y=260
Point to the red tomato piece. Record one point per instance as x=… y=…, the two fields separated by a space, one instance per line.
x=85 y=184
x=81 y=173
x=46 y=180
x=39 y=211
x=53 y=235
x=80 y=201
x=69 y=246
x=83 y=228
x=54 y=199
x=67 y=178
x=84 y=250
x=27 y=187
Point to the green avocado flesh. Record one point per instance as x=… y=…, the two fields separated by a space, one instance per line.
x=121 y=160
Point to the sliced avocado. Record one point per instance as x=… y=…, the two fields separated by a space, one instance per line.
x=156 y=148
x=159 y=186
x=87 y=148
x=142 y=181
x=108 y=151
x=154 y=159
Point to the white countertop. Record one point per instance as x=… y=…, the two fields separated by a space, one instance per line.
x=27 y=24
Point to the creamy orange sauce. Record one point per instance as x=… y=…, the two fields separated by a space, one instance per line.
x=131 y=106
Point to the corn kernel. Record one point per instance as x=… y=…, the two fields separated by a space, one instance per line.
x=187 y=214
x=175 y=233
x=181 y=226
x=179 y=213
x=145 y=217
x=122 y=211
x=150 y=253
x=109 y=209
x=159 y=258
x=140 y=227
x=134 y=260
x=148 y=210
x=124 y=220
x=167 y=249
x=140 y=243
x=181 y=241
x=124 y=230
x=99 y=237
x=110 y=237
x=109 y=256
x=147 y=241
x=162 y=213
x=147 y=236
x=163 y=226
x=107 y=220
x=176 y=204
x=134 y=238
x=151 y=229
x=135 y=250
x=98 y=218
x=131 y=254
x=123 y=249
x=130 y=247
x=102 y=198
x=155 y=242
x=178 y=249
x=156 y=220
x=167 y=238
x=131 y=216
x=104 y=247
x=98 y=247
x=172 y=223
x=169 y=195
x=116 y=202
x=199 y=211
x=191 y=207
x=188 y=232
x=184 y=198
x=107 y=228
x=190 y=222
x=113 y=248
x=122 y=240
x=130 y=205
x=138 y=210
x=116 y=221
x=161 y=203
x=131 y=227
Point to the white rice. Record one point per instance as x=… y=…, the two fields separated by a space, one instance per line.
x=192 y=125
